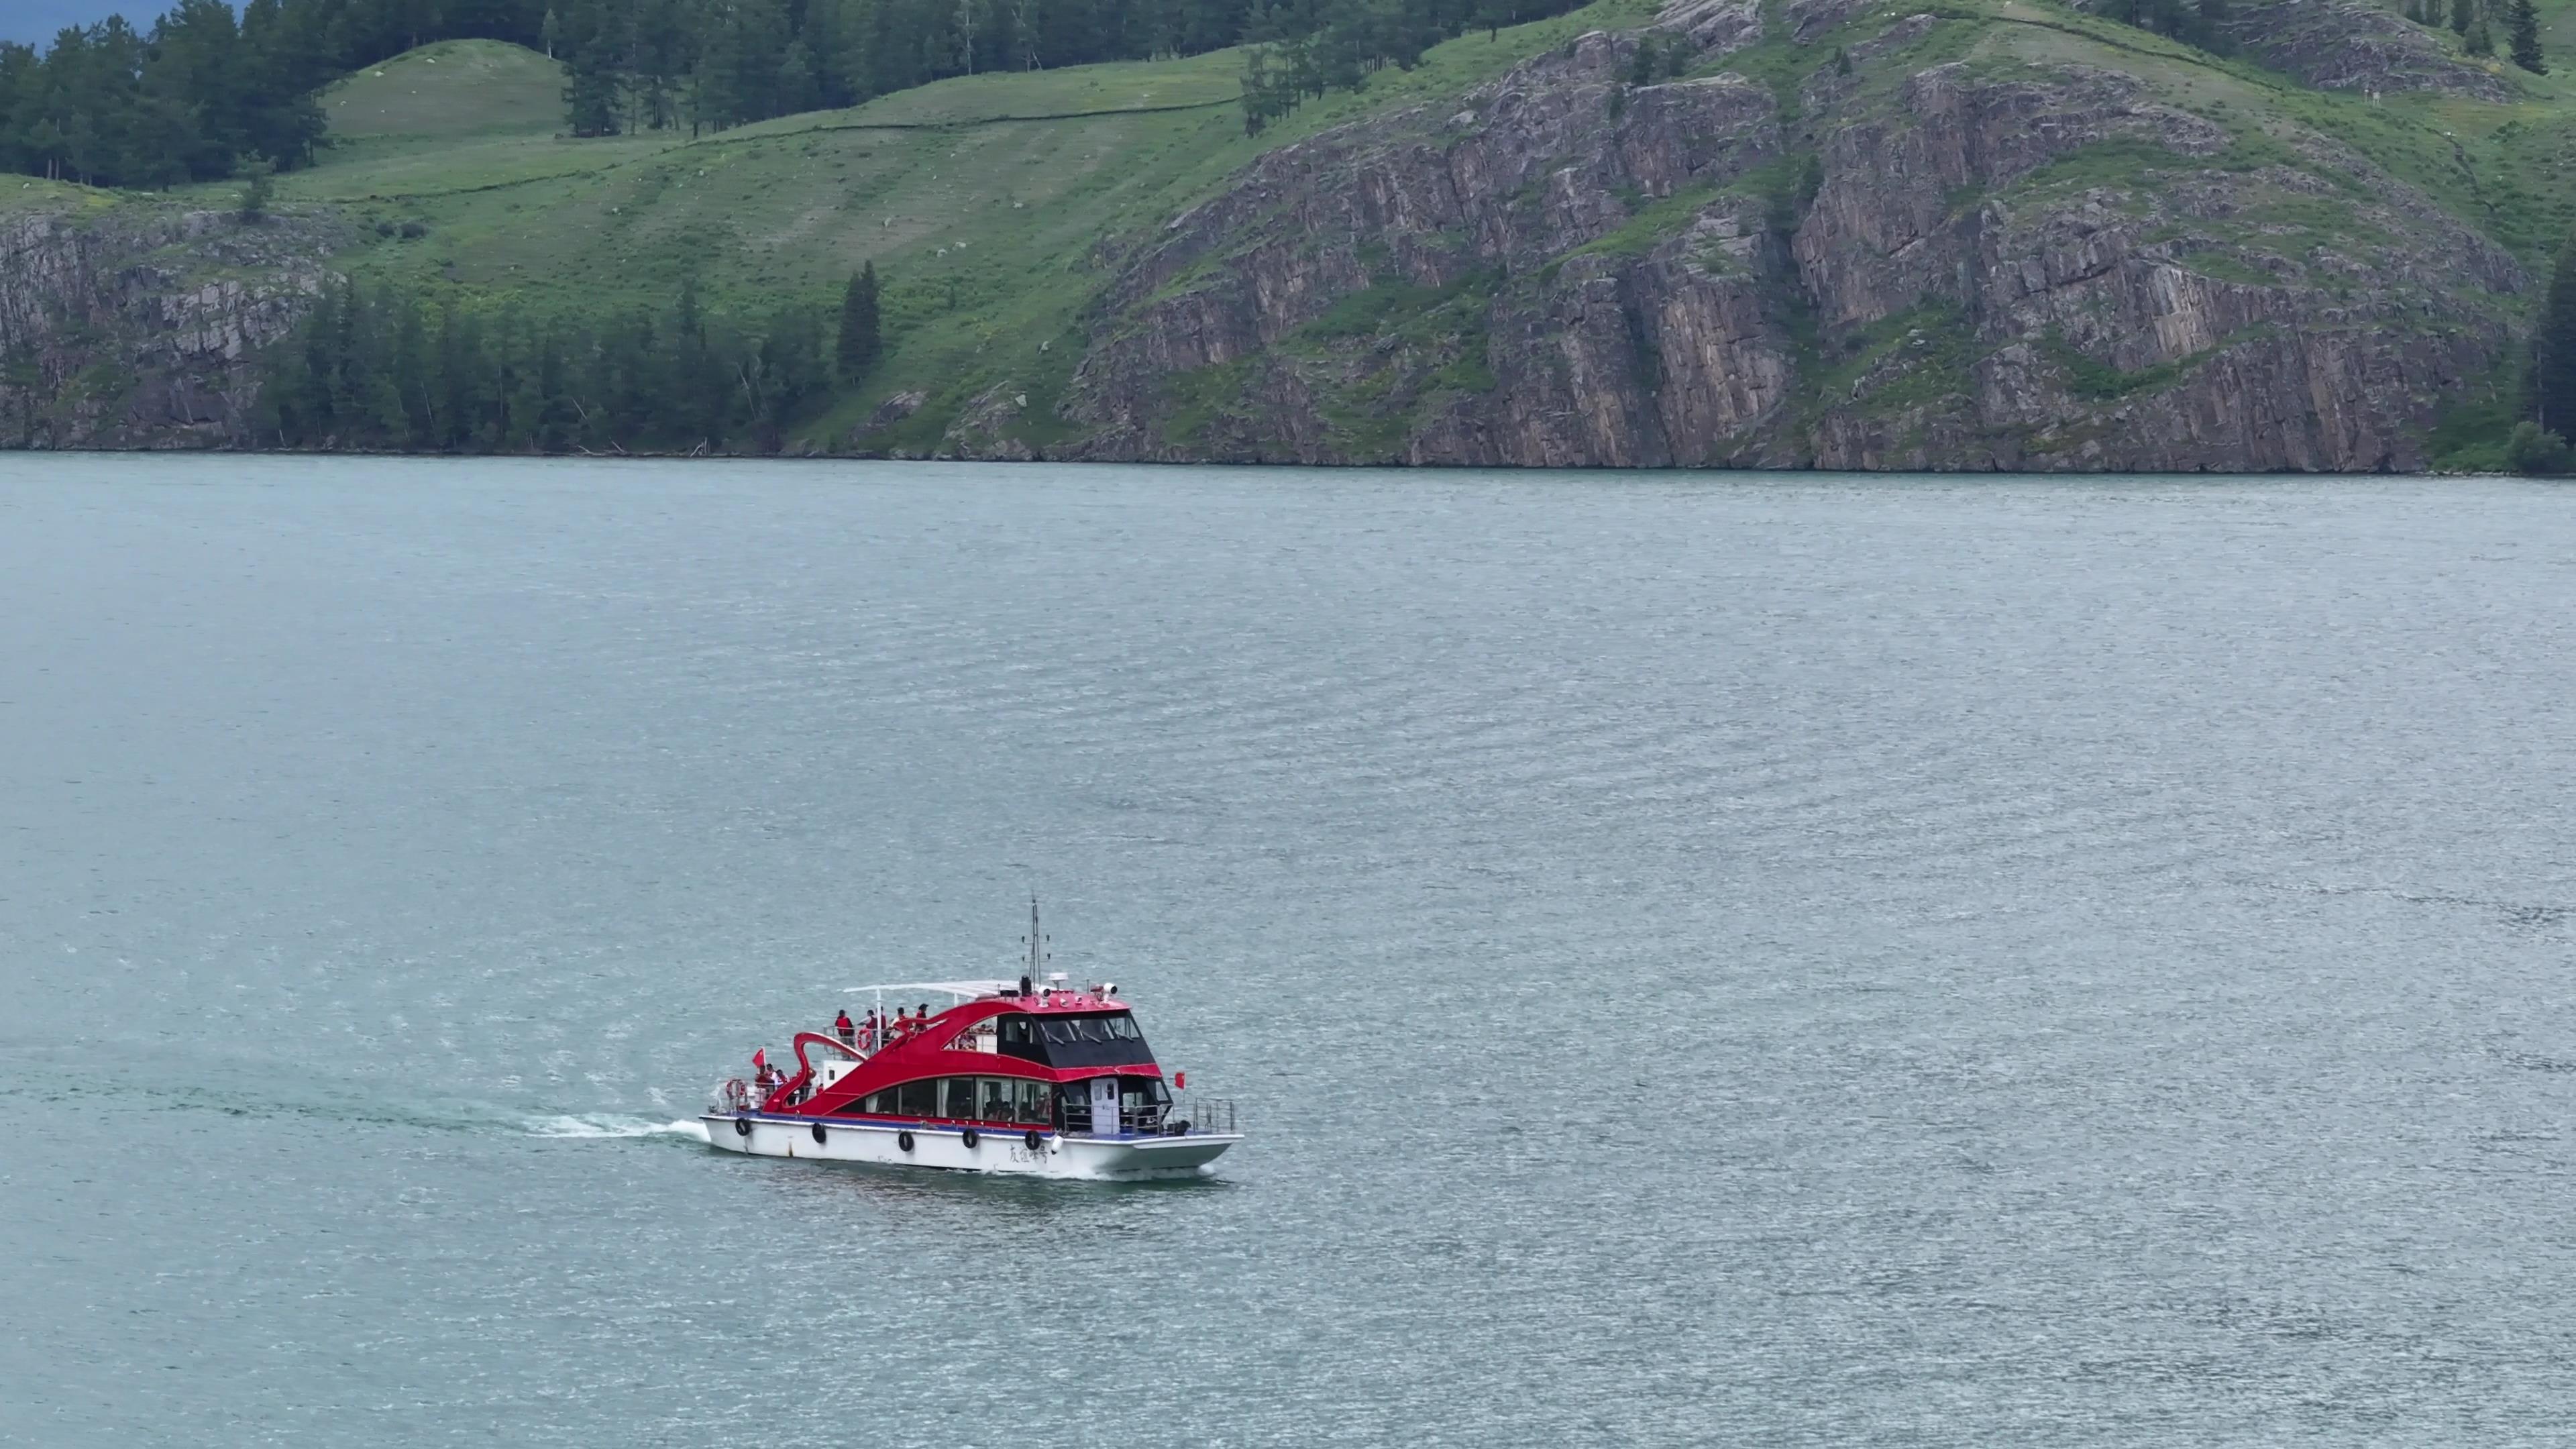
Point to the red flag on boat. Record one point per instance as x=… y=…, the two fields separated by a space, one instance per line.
x=1180 y=1080
x=760 y=1058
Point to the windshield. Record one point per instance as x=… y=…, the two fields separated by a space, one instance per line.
x=1089 y=1039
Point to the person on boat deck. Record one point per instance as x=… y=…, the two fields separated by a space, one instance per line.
x=849 y=1034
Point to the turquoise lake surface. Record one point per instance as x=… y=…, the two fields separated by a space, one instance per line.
x=1702 y=958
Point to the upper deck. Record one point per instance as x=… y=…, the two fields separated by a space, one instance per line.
x=1049 y=1025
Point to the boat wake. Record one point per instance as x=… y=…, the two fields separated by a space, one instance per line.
x=602 y=1126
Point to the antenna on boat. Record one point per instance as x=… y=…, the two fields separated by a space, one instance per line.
x=1037 y=953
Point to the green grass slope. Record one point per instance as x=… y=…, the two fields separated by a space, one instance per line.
x=446 y=91
x=984 y=201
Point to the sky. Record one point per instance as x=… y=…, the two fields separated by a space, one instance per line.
x=33 y=22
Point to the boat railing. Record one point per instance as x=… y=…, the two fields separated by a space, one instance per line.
x=1204 y=1114
x=1164 y=1119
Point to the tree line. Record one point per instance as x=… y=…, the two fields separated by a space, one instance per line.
x=648 y=64
x=2540 y=439
x=2475 y=22
x=2201 y=23
x=708 y=64
x=1302 y=49
x=205 y=90
x=374 y=369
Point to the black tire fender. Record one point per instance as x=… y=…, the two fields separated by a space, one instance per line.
x=970 y=1138
x=1031 y=1138
x=903 y=1140
x=819 y=1133
x=741 y=1126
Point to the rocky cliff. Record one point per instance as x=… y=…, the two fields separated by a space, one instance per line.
x=138 y=324
x=1835 y=240
x=1956 y=234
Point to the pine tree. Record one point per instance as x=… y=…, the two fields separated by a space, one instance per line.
x=2481 y=41
x=2462 y=16
x=2525 y=22
x=860 y=340
x=2553 y=344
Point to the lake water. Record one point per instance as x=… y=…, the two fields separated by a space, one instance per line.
x=1779 y=960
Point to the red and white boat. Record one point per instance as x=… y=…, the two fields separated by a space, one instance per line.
x=1029 y=1076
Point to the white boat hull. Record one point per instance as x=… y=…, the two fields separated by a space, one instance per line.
x=1002 y=1150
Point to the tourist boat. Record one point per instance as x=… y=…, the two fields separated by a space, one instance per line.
x=1030 y=1076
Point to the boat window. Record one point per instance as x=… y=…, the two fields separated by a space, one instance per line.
x=1109 y=1039
x=1034 y=1103
x=920 y=1098
x=1015 y=1034
x=999 y=1099
x=961 y=1098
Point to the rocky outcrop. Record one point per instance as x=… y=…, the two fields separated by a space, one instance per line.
x=138 y=325
x=983 y=429
x=1924 y=263
x=2356 y=45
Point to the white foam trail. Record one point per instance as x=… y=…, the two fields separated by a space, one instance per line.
x=603 y=1126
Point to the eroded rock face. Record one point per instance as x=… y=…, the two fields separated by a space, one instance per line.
x=2354 y=45
x=139 y=327
x=1932 y=265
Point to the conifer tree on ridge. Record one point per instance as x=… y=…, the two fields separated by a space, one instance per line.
x=860 y=326
x=2524 y=23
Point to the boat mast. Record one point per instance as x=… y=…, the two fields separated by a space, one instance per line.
x=1037 y=956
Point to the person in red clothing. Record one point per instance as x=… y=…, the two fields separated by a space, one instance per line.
x=849 y=1033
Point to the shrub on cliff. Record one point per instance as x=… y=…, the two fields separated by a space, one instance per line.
x=255 y=196
x=2531 y=450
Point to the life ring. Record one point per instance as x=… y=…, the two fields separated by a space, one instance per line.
x=741 y=1126
x=1031 y=1138
x=969 y=1138
x=818 y=1132
x=903 y=1140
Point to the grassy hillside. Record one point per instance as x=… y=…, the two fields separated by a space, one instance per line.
x=986 y=200
x=983 y=200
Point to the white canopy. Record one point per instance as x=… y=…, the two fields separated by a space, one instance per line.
x=959 y=989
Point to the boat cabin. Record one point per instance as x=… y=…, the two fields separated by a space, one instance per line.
x=1005 y=1056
